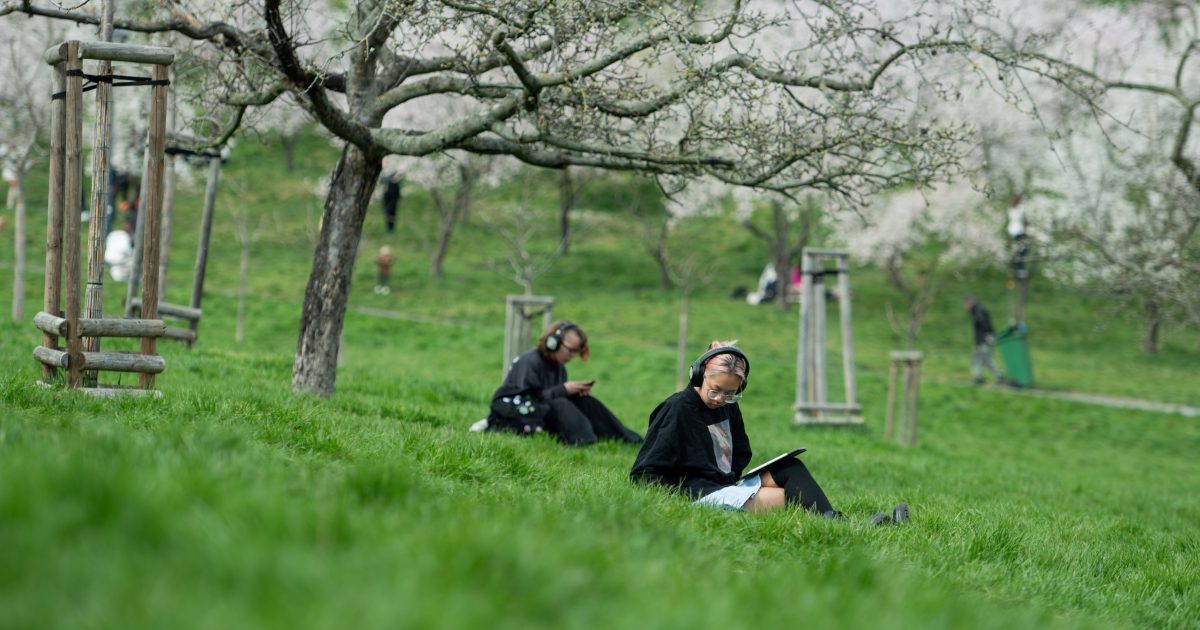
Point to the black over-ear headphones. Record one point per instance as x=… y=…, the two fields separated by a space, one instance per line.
x=555 y=339
x=697 y=374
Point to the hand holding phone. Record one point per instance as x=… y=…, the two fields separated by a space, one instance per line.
x=579 y=388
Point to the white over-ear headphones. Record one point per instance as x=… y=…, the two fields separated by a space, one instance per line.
x=555 y=339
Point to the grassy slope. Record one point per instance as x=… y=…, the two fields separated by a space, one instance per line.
x=232 y=502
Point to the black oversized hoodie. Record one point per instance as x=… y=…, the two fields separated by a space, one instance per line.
x=535 y=375
x=691 y=447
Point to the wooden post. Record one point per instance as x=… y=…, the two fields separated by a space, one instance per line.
x=803 y=362
x=168 y=206
x=509 y=314
x=152 y=210
x=139 y=235
x=519 y=311
x=914 y=391
x=72 y=201
x=822 y=388
x=52 y=289
x=851 y=388
x=210 y=200
x=97 y=225
x=812 y=387
x=906 y=428
x=891 y=401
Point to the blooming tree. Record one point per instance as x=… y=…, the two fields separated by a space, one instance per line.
x=916 y=234
x=452 y=179
x=568 y=83
x=1106 y=188
x=786 y=222
x=24 y=127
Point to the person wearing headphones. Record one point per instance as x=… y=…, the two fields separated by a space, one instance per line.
x=536 y=395
x=697 y=444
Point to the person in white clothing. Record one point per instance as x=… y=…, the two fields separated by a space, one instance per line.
x=118 y=253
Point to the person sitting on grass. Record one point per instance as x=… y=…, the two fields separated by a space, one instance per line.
x=697 y=445
x=536 y=395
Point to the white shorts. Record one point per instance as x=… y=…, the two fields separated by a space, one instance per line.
x=733 y=497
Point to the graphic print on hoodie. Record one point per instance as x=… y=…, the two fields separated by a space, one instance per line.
x=722 y=439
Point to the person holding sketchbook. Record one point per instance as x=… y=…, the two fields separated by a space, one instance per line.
x=536 y=395
x=697 y=444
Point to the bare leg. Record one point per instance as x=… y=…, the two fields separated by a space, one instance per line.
x=769 y=497
x=765 y=500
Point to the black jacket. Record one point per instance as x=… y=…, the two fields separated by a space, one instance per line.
x=532 y=374
x=532 y=377
x=982 y=322
x=691 y=447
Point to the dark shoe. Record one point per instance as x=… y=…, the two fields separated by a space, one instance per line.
x=882 y=518
x=900 y=513
x=979 y=381
x=833 y=515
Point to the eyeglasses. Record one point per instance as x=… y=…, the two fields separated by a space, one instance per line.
x=574 y=351
x=716 y=394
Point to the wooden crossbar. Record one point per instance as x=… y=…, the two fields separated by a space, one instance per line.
x=172 y=310
x=108 y=51
x=106 y=361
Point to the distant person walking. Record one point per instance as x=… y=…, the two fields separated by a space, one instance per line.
x=536 y=395
x=383 y=262
x=391 y=199
x=118 y=252
x=985 y=339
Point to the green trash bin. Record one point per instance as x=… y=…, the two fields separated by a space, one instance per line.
x=1015 y=351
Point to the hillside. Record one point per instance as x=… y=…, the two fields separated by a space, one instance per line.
x=232 y=502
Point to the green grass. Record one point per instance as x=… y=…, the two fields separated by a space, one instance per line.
x=232 y=502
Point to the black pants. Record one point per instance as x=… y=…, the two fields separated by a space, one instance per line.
x=799 y=486
x=582 y=420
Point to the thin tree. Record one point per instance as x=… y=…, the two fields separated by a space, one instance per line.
x=532 y=246
x=24 y=127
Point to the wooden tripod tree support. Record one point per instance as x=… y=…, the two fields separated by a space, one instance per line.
x=907 y=430
x=812 y=391
x=63 y=226
x=519 y=313
x=192 y=312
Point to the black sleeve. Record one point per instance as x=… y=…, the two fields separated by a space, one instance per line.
x=550 y=392
x=658 y=461
x=983 y=323
x=530 y=374
x=741 y=442
x=987 y=321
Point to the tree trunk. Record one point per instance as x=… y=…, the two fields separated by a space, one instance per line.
x=566 y=201
x=1153 y=323
x=681 y=343
x=895 y=277
x=451 y=214
x=351 y=185
x=661 y=257
x=919 y=302
x=239 y=334
x=780 y=254
x=288 y=141
x=1022 y=296
x=17 y=195
x=446 y=212
x=467 y=176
